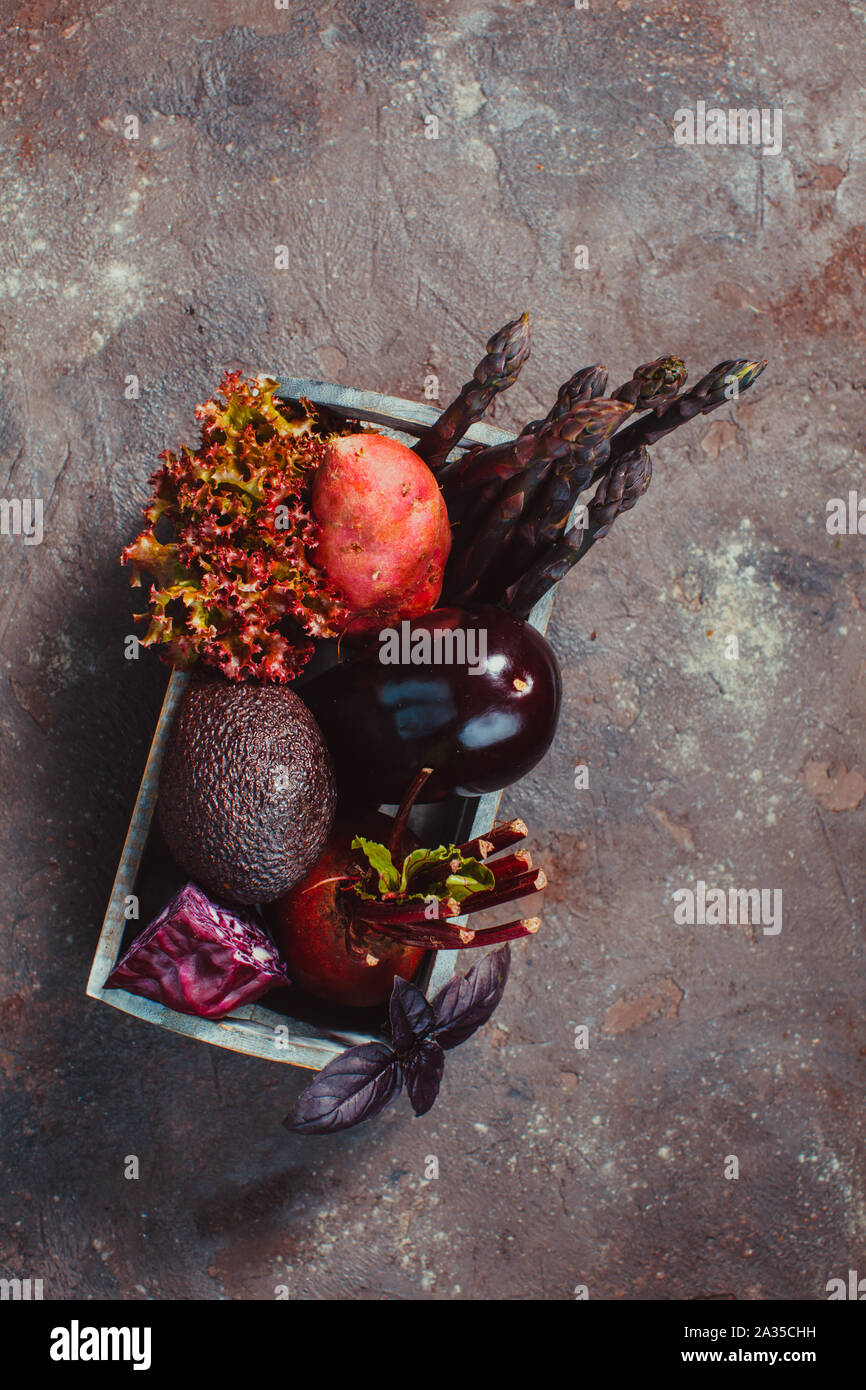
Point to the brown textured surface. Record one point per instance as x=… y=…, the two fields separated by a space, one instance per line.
x=156 y=257
x=247 y=791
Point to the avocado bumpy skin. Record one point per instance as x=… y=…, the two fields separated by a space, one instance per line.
x=247 y=792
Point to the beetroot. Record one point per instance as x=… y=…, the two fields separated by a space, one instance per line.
x=385 y=535
x=350 y=928
x=313 y=927
x=199 y=958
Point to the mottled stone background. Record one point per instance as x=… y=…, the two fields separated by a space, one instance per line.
x=156 y=257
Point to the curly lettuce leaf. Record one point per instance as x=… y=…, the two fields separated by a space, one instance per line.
x=240 y=562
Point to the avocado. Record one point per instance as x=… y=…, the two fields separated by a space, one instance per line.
x=247 y=792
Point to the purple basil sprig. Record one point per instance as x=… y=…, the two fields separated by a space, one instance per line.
x=360 y=1082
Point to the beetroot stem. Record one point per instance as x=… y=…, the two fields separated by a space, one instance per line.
x=428 y=940
x=499 y=838
x=431 y=935
x=516 y=886
x=462 y=940
x=518 y=863
x=509 y=931
x=409 y=799
x=402 y=913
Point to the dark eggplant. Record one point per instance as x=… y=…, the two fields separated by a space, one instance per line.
x=481 y=722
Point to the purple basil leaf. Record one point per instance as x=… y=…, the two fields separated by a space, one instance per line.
x=468 y=1001
x=354 y=1087
x=412 y=1018
x=423 y=1074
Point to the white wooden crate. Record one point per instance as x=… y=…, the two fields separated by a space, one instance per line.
x=257 y=1029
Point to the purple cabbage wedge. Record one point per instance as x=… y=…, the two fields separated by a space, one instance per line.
x=200 y=958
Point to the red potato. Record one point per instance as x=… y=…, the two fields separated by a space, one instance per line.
x=385 y=532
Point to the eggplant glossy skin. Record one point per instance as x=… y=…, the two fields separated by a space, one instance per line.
x=480 y=723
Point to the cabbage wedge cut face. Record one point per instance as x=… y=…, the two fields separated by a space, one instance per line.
x=200 y=958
